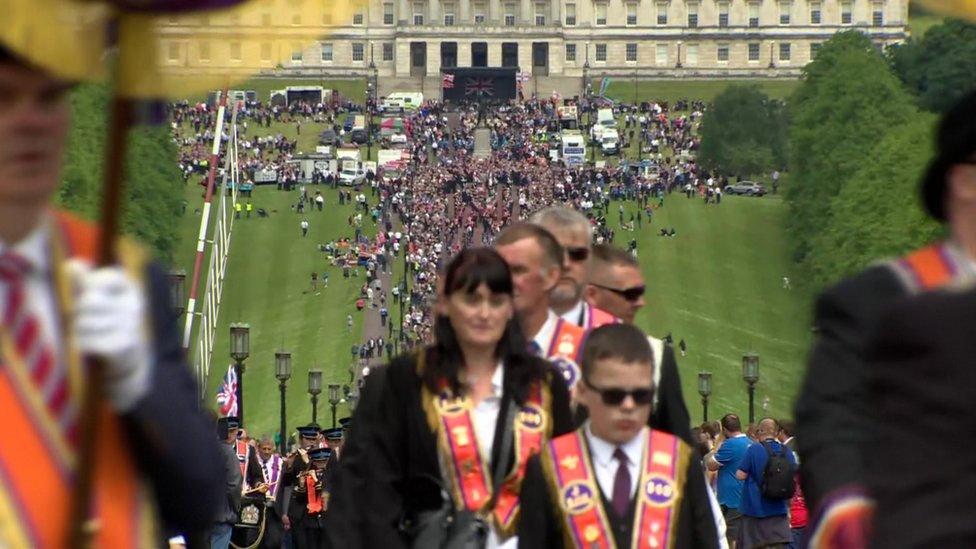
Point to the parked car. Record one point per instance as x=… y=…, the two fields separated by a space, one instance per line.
x=747 y=188
x=329 y=137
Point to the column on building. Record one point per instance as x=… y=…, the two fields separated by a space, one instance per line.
x=434 y=11
x=433 y=58
x=402 y=55
x=404 y=17
x=527 y=15
x=554 y=9
x=494 y=53
x=495 y=15
x=464 y=17
x=464 y=54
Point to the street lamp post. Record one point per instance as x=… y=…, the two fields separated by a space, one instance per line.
x=177 y=291
x=750 y=374
x=772 y=63
x=333 y=400
x=704 y=389
x=314 y=389
x=283 y=373
x=372 y=94
x=678 y=64
x=240 y=349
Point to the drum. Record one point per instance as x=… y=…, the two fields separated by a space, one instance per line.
x=251 y=521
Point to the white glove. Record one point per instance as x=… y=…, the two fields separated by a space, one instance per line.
x=110 y=322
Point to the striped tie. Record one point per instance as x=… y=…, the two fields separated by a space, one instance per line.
x=24 y=329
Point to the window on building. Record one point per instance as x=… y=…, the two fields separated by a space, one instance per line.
x=205 y=51
x=601 y=53
x=691 y=54
x=173 y=51
x=601 y=14
x=814 y=49
x=661 y=54
x=265 y=51
x=296 y=53
x=692 y=15
x=358 y=51
x=753 y=51
x=815 y=13
x=449 y=14
x=846 y=13
x=571 y=15
x=540 y=14
x=418 y=13
x=571 y=52
x=784 y=51
x=509 y=15
x=784 y=13
x=388 y=13
x=631 y=14
x=357 y=18
x=235 y=51
x=479 y=13
x=387 y=51
x=723 y=14
x=632 y=52
x=723 y=52
x=877 y=14
x=662 y=13
x=753 y=14
x=327 y=52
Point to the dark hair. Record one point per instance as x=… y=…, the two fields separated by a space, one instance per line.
x=731 y=423
x=608 y=255
x=787 y=426
x=713 y=428
x=620 y=341
x=466 y=273
x=552 y=250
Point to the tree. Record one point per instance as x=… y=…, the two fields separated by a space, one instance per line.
x=154 y=187
x=878 y=213
x=941 y=66
x=743 y=133
x=847 y=101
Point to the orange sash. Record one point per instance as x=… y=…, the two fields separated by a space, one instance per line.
x=37 y=464
x=242 y=449
x=928 y=268
x=315 y=502
x=564 y=351
x=569 y=472
x=599 y=317
x=470 y=476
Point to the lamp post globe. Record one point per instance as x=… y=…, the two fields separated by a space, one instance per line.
x=315 y=389
x=240 y=349
x=750 y=374
x=704 y=389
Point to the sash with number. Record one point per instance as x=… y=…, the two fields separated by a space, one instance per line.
x=569 y=472
x=452 y=419
x=564 y=349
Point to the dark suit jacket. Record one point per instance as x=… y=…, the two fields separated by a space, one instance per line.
x=670 y=415
x=920 y=462
x=540 y=527
x=402 y=468
x=174 y=443
x=832 y=409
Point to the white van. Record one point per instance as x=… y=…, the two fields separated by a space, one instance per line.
x=610 y=141
x=604 y=117
x=573 y=147
x=402 y=101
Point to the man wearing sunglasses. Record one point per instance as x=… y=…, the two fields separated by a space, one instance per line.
x=615 y=481
x=575 y=233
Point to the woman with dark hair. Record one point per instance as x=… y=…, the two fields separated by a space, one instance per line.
x=453 y=425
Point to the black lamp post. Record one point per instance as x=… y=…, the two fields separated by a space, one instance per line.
x=177 y=291
x=772 y=62
x=678 y=64
x=240 y=349
x=750 y=374
x=371 y=95
x=314 y=389
x=704 y=389
x=283 y=373
x=333 y=400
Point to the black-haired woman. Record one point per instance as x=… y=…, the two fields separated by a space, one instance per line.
x=437 y=430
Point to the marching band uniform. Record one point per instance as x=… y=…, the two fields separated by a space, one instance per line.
x=312 y=494
x=301 y=463
x=418 y=441
x=565 y=502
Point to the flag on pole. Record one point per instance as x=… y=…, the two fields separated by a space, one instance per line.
x=604 y=84
x=227 y=394
x=448 y=81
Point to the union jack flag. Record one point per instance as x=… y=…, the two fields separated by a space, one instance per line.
x=475 y=86
x=227 y=394
x=448 y=81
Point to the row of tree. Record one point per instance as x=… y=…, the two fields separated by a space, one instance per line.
x=856 y=136
x=154 y=186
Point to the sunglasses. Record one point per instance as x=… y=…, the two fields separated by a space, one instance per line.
x=630 y=294
x=578 y=254
x=614 y=396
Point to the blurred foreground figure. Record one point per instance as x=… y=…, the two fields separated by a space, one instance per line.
x=834 y=409
x=156 y=457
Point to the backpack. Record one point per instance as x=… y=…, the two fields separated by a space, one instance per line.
x=777 y=479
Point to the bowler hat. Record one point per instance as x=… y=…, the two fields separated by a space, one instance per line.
x=956 y=142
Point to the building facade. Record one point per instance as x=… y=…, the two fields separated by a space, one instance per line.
x=556 y=38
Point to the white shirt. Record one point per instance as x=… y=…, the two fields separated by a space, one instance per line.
x=41 y=299
x=578 y=311
x=544 y=337
x=605 y=465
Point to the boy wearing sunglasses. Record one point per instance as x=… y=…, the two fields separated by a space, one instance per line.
x=615 y=482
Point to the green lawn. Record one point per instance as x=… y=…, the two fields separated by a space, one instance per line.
x=718 y=285
x=622 y=89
